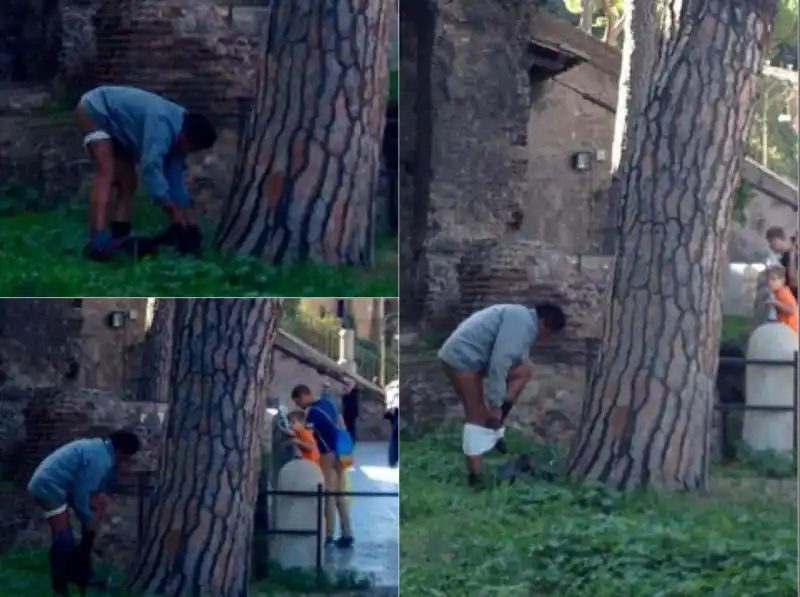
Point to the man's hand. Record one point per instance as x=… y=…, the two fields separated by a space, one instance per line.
x=495 y=418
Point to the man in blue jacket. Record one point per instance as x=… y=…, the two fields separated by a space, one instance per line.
x=123 y=127
x=76 y=476
x=487 y=361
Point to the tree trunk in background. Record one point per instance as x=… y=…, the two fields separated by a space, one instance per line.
x=587 y=16
x=307 y=173
x=158 y=352
x=199 y=532
x=647 y=414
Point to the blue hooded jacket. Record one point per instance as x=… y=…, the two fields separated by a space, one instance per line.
x=147 y=125
x=493 y=341
x=72 y=473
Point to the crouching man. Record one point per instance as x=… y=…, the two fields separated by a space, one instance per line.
x=76 y=476
x=486 y=361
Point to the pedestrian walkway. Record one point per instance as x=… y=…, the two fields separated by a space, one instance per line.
x=375 y=520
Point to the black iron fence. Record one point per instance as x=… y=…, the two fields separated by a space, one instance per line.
x=318 y=532
x=726 y=408
x=737 y=405
x=144 y=488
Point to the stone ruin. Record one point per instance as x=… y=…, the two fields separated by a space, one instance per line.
x=516 y=270
x=52 y=417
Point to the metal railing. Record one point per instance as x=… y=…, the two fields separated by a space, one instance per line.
x=318 y=532
x=725 y=408
x=145 y=487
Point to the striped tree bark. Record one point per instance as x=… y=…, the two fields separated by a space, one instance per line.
x=199 y=530
x=158 y=351
x=647 y=415
x=308 y=166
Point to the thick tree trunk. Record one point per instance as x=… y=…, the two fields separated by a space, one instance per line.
x=158 y=353
x=309 y=161
x=199 y=529
x=647 y=413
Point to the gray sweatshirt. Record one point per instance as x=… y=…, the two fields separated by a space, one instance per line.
x=493 y=341
x=72 y=473
x=147 y=125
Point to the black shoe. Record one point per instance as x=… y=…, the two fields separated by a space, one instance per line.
x=476 y=481
x=329 y=542
x=169 y=238
x=190 y=241
x=120 y=229
x=344 y=542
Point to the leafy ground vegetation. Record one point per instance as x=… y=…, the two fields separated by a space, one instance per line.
x=26 y=573
x=540 y=539
x=41 y=256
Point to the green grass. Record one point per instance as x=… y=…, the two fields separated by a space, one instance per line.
x=25 y=573
x=41 y=256
x=736 y=329
x=537 y=539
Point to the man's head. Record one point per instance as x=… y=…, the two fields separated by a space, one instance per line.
x=126 y=444
x=778 y=240
x=776 y=277
x=297 y=419
x=197 y=134
x=551 y=319
x=302 y=396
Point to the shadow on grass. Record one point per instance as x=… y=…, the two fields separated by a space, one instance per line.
x=543 y=539
x=41 y=256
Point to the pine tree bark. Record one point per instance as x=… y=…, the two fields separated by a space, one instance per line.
x=199 y=529
x=308 y=168
x=646 y=417
x=158 y=352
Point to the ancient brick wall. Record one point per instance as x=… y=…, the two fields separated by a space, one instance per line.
x=181 y=49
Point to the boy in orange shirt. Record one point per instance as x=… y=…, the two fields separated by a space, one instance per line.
x=782 y=298
x=303 y=437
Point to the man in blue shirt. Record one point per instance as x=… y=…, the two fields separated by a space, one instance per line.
x=76 y=476
x=123 y=127
x=487 y=361
x=324 y=417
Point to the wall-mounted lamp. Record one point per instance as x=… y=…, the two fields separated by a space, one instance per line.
x=582 y=161
x=117 y=319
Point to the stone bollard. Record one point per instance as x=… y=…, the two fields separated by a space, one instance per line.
x=770 y=385
x=297 y=513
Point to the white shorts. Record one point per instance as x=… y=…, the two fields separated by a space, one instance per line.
x=55 y=511
x=95 y=136
x=478 y=440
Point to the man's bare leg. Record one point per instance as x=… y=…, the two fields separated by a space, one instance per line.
x=126 y=182
x=468 y=386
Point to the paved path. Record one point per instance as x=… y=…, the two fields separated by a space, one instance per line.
x=375 y=519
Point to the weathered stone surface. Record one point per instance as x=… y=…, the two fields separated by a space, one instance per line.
x=549 y=408
x=297 y=513
x=515 y=270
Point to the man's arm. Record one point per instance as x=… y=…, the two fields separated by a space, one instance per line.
x=175 y=173
x=156 y=145
x=90 y=480
x=512 y=346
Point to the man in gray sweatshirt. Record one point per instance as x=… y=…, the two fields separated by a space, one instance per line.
x=123 y=127
x=487 y=361
x=75 y=476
